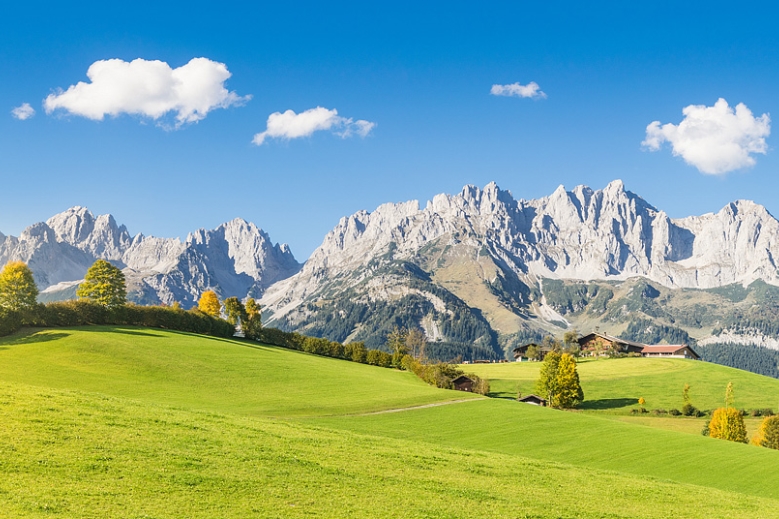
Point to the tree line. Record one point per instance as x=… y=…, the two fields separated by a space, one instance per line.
x=102 y=300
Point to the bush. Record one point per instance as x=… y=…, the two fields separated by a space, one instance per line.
x=675 y=412
x=690 y=410
x=659 y=411
x=728 y=424
x=768 y=433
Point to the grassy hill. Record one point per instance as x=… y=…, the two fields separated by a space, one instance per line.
x=140 y=423
x=82 y=455
x=615 y=385
x=208 y=373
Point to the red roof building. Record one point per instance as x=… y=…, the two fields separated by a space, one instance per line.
x=674 y=351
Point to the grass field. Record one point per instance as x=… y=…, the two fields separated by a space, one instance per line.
x=73 y=454
x=615 y=385
x=231 y=376
x=138 y=423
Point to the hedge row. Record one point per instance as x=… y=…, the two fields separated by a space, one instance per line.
x=355 y=351
x=81 y=313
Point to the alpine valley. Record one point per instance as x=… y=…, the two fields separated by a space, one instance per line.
x=479 y=271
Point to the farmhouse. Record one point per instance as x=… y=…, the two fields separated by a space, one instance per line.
x=520 y=352
x=676 y=351
x=599 y=342
x=463 y=383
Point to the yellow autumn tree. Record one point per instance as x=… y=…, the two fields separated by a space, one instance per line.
x=209 y=304
x=17 y=287
x=727 y=423
x=768 y=433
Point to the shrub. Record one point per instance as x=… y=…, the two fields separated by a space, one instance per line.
x=728 y=424
x=675 y=412
x=690 y=410
x=659 y=411
x=768 y=433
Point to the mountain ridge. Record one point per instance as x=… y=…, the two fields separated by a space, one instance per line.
x=477 y=270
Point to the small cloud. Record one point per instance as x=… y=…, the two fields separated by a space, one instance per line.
x=715 y=139
x=289 y=125
x=531 y=90
x=148 y=88
x=23 y=112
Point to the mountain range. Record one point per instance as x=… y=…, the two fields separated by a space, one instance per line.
x=478 y=271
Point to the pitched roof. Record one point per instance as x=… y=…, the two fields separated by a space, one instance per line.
x=663 y=348
x=612 y=339
x=530 y=397
x=462 y=378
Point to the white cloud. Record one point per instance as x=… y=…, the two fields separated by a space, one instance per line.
x=715 y=139
x=531 y=90
x=148 y=88
x=289 y=125
x=23 y=112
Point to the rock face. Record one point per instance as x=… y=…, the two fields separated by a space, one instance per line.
x=475 y=270
x=492 y=252
x=235 y=259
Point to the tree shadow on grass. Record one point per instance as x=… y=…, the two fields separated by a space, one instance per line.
x=35 y=338
x=608 y=403
x=123 y=331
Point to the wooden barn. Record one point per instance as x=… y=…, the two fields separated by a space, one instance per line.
x=520 y=352
x=602 y=342
x=463 y=383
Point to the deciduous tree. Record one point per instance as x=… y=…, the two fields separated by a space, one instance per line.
x=236 y=313
x=768 y=433
x=18 y=291
x=569 y=390
x=416 y=343
x=558 y=381
x=209 y=304
x=727 y=423
x=253 y=325
x=104 y=284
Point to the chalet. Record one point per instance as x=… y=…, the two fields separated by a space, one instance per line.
x=532 y=400
x=602 y=342
x=674 y=351
x=463 y=383
x=520 y=352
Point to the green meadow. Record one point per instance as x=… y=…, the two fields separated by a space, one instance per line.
x=615 y=385
x=206 y=373
x=138 y=423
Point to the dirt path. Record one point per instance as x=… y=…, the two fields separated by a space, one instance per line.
x=435 y=404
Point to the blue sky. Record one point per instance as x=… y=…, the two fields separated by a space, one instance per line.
x=421 y=73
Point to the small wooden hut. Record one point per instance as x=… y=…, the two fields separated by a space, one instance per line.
x=463 y=383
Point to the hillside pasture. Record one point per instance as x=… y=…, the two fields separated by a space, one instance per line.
x=206 y=373
x=81 y=455
x=615 y=385
x=580 y=439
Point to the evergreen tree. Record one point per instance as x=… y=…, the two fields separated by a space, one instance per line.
x=209 y=304
x=18 y=291
x=103 y=284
